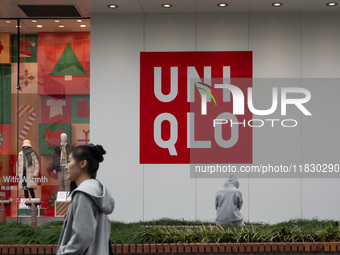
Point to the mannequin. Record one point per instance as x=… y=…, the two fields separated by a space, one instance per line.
x=27 y=168
x=60 y=160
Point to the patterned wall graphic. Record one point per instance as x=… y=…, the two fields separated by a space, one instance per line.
x=28 y=48
x=80 y=134
x=5 y=139
x=5 y=97
x=5 y=110
x=4 y=169
x=29 y=115
x=68 y=65
x=64 y=63
x=56 y=109
x=49 y=136
x=80 y=109
x=5 y=48
x=28 y=78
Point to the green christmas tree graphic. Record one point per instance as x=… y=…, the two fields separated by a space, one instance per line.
x=68 y=64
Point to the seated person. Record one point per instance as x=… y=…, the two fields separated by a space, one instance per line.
x=228 y=204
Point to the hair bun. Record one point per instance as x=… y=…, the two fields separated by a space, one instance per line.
x=97 y=151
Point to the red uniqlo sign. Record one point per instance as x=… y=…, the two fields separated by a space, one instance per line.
x=187 y=107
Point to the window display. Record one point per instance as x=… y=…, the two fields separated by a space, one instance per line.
x=44 y=107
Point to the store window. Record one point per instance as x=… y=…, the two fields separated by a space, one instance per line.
x=44 y=107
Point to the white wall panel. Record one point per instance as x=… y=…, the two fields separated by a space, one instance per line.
x=275 y=146
x=221 y=32
x=321 y=145
x=320 y=45
x=275 y=42
x=274 y=143
x=274 y=199
x=320 y=198
x=116 y=41
x=169 y=192
x=320 y=133
x=166 y=32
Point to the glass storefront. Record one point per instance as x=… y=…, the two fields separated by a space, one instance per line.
x=44 y=107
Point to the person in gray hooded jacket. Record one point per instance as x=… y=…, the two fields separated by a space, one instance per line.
x=86 y=228
x=228 y=203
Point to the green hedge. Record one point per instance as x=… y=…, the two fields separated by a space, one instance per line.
x=16 y=233
x=179 y=231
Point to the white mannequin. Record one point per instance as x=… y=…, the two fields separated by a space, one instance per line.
x=63 y=138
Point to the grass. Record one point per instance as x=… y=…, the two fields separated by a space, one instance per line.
x=16 y=233
x=178 y=232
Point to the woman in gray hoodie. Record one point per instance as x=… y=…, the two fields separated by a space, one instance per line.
x=86 y=228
